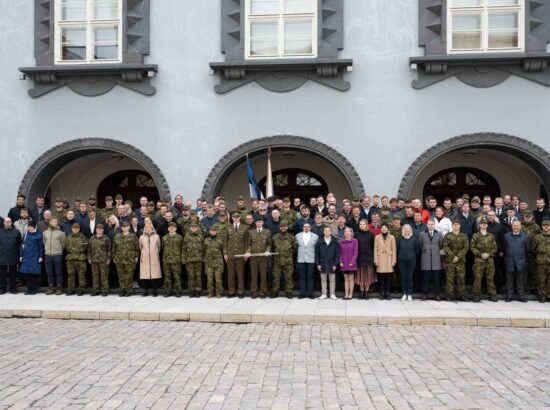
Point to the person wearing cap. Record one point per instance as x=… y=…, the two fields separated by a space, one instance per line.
x=456 y=246
x=118 y=200
x=184 y=220
x=59 y=212
x=192 y=257
x=259 y=242
x=395 y=227
x=532 y=229
x=109 y=209
x=517 y=246
x=76 y=245
x=193 y=217
x=125 y=256
x=541 y=249
x=99 y=258
x=31 y=257
x=10 y=243
x=476 y=209
x=288 y=214
x=484 y=247
x=92 y=201
x=172 y=246
x=241 y=207
x=76 y=203
x=235 y=243
x=150 y=272
x=54 y=245
x=213 y=262
x=222 y=224
x=284 y=245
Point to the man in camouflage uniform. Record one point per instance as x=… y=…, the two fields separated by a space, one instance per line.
x=541 y=249
x=395 y=227
x=184 y=220
x=213 y=262
x=284 y=245
x=288 y=214
x=125 y=256
x=222 y=224
x=385 y=216
x=455 y=245
x=193 y=217
x=99 y=257
x=59 y=212
x=241 y=207
x=259 y=241
x=484 y=247
x=475 y=208
x=532 y=229
x=109 y=209
x=172 y=246
x=235 y=243
x=192 y=258
x=76 y=245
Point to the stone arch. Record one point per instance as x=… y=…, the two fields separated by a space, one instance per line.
x=41 y=172
x=233 y=158
x=532 y=154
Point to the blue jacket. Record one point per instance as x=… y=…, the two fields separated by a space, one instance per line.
x=516 y=250
x=31 y=251
x=408 y=249
x=327 y=255
x=468 y=225
x=299 y=224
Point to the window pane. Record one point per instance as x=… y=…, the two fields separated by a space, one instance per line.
x=466 y=21
x=503 y=20
x=73 y=10
x=73 y=35
x=106 y=52
x=467 y=40
x=502 y=2
x=263 y=29
x=106 y=33
x=298 y=28
x=466 y=3
x=264 y=6
x=298 y=6
x=503 y=39
x=105 y=9
x=73 y=52
x=263 y=47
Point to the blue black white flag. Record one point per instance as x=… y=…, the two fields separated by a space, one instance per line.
x=254 y=188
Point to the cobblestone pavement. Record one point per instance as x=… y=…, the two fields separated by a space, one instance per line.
x=131 y=364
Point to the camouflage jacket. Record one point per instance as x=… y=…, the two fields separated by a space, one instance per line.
x=99 y=249
x=222 y=227
x=213 y=251
x=76 y=246
x=104 y=213
x=483 y=244
x=455 y=245
x=289 y=216
x=541 y=248
x=61 y=216
x=531 y=229
x=259 y=242
x=125 y=248
x=192 y=248
x=172 y=246
x=396 y=232
x=285 y=245
x=183 y=224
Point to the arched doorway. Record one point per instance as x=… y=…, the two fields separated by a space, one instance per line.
x=131 y=184
x=229 y=179
x=297 y=183
x=455 y=182
x=518 y=165
x=75 y=168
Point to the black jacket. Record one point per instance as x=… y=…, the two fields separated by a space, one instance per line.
x=327 y=255
x=541 y=215
x=85 y=227
x=13 y=213
x=10 y=244
x=365 y=256
x=497 y=230
x=468 y=225
x=408 y=249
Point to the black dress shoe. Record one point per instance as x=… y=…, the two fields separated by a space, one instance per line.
x=28 y=292
x=104 y=294
x=145 y=293
x=241 y=296
x=177 y=294
x=80 y=292
x=522 y=300
x=273 y=295
x=254 y=296
x=13 y=292
x=155 y=293
x=508 y=299
x=122 y=293
x=437 y=298
x=367 y=296
x=448 y=298
x=2 y=292
x=542 y=299
x=301 y=297
x=262 y=296
x=493 y=297
x=424 y=297
x=95 y=293
x=289 y=295
x=311 y=297
x=464 y=298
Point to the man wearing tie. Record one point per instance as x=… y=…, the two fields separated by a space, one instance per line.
x=235 y=243
x=431 y=244
x=517 y=246
x=499 y=209
x=259 y=242
x=306 y=260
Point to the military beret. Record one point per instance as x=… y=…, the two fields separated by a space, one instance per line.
x=396 y=217
x=545 y=222
x=75 y=225
x=118 y=196
x=92 y=197
x=194 y=225
x=236 y=213
x=286 y=199
x=528 y=213
x=172 y=224
x=78 y=198
x=214 y=227
x=466 y=197
x=476 y=199
x=483 y=220
x=283 y=224
x=108 y=198
x=58 y=199
x=456 y=221
x=99 y=226
x=240 y=198
x=125 y=223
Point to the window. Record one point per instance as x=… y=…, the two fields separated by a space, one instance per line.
x=281 y=28
x=485 y=25
x=88 y=31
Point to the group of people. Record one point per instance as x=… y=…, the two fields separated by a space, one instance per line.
x=366 y=241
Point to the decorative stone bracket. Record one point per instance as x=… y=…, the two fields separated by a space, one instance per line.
x=91 y=80
x=282 y=75
x=481 y=71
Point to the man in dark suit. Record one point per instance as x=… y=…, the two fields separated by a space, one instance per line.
x=497 y=230
x=431 y=244
x=517 y=246
x=89 y=224
x=541 y=213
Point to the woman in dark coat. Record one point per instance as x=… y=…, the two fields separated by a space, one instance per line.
x=365 y=261
x=31 y=256
x=408 y=250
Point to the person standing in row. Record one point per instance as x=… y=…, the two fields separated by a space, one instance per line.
x=172 y=247
x=456 y=248
x=284 y=245
x=517 y=246
x=125 y=257
x=76 y=245
x=431 y=244
x=307 y=241
x=99 y=257
x=10 y=243
x=31 y=258
x=192 y=257
x=235 y=243
x=54 y=245
x=259 y=242
x=385 y=258
x=213 y=262
x=541 y=248
x=150 y=272
x=408 y=249
x=365 y=276
x=484 y=248
x=327 y=257
x=349 y=250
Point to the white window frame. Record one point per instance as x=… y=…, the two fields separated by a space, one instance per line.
x=281 y=17
x=90 y=24
x=485 y=8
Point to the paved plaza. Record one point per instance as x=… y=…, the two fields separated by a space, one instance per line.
x=137 y=364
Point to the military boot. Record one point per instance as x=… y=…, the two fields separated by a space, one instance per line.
x=493 y=297
x=50 y=291
x=59 y=290
x=477 y=298
x=542 y=299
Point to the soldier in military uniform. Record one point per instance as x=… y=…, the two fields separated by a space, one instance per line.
x=99 y=257
x=125 y=257
x=284 y=245
x=395 y=227
x=172 y=246
x=475 y=208
x=259 y=241
x=76 y=246
x=235 y=243
x=59 y=212
x=108 y=210
x=385 y=216
x=184 y=220
x=193 y=217
x=288 y=214
x=213 y=262
x=541 y=249
x=484 y=247
x=531 y=229
x=455 y=245
x=192 y=258
x=241 y=207
x=222 y=224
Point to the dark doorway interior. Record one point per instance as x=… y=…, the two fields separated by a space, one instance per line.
x=297 y=183
x=131 y=184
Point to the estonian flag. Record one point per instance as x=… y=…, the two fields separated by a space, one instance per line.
x=254 y=189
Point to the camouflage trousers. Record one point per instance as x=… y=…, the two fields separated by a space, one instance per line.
x=487 y=269
x=286 y=269
x=194 y=270
x=125 y=273
x=100 y=275
x=214 y=278
x=172 y=277
x=530 y=278
x=455 y=271
x=543 y=279
x=75 y=268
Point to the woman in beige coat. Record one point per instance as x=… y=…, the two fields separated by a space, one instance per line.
x=385 y=258
x=149 y=268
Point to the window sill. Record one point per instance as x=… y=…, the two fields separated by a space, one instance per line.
x=282 y=75
x=481 y=69
x=90 y=79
